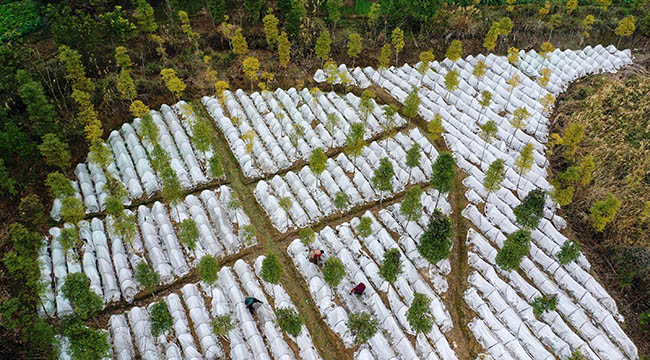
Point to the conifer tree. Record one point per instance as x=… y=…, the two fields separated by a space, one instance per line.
x=354 y=46
x=253 y=7
x=172 y=82
x=426 y=58
x=451 y=81
x=318 y=163
x=364 y=228
x=412 y=104
x=354 y=141
x=413 y=155
x=271 y=269
x=391 y=265
x=494 y=176
x=366 y=105
x=443 y=174
x=186 y=27
x=55 y=152
x=341 y=201
x=411 y=206
x=251 y=67
x=571 y=5
x=41 y=112
x=518 y=121
x=239 y=43
x=323 y=45
x=333 y=11
x=383 y=178
x=333 y=271
x=604 y=211
x=285 y=204
x=284 y=49
x=531 y=210
x=479 y=69
x=455 y=51
x=515 y=247
x=419 y=315
x=384 y=57
x=397 y=39
x=486 y=97
x=434 y=127
x=271 y=29
x=363 y=326
x=144 y=17
x=208 y=269
x=161 y=319
x=524 y=162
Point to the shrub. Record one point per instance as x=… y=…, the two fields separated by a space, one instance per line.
x=85 y=343
x=69 y=238
x=248 y=233
x=76 y=289
x=531 y=210
x=208 y=269
x=644 y=318
x=55 y=152
x=31 y=209
x=271 y=269
x=221 y=325
x=419 y=315
x=516 y=246
x=435 y=243
x=632 y=265
x=333 y=271
x=543 y=304
x=216 y=168
x=72 y=210
x=576 y=355
x=364 y=228
x=289 y=321
x=161 y=319
x=363 y=326
x=569 y=252
x=188 y=233
x=307 y=236
x=391 y=267
x=146 y=276
x=604 y=211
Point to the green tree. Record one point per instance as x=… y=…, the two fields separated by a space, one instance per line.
x=271 y=29
x=126 y=86
x=391 y=267
x=7 y=183
x=443 y=174
x=515 y=247
x=531 y=209
x=341 y=201
x=161 y=319
x=221 y=325
x=251 y=66
x=216 y=168
x=146 y=276
x=419 y=315
x=271 y=269
x=434 y=127
x=479 y=70
x=435 y=242
x=397 y=39
x=542 y=304
x=239 y=43
x=323 y=45
x=518 y=121
x=85 y=302
x=333 y=271
x=366 y=105
x=307 y=236
x=72 y=210
x=284 y=49
x=494 y=176
x=354 y=46
x=625 y=28
x=384 y=57
x=570 y=251
x=289 y=320
x=285 y=204
x=524 y=162
x=486 y=97
x=412 y=104
x=253 y=7
x=354 y=141
x=117 y=25
x=333 y=11
x=426 y=58
x=30 y=210
x=294 y=16
x=455 y=51
x=85 y=343
x=604 y=211
x=389 y=112
x=382 y=179
x=318 y=162
x=363 y=326
x=411 y=206
x=59 y=185
x=202 y=135
x=55 y=152
x=364 y=228
x=144 y=16
x=451 y=81
x=413 y=156
x=41 y=111
x=209 y=269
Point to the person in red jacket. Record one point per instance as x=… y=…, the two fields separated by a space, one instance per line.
x=358 y=289
x=315 y=255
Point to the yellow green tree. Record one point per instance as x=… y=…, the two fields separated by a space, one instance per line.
x=397 y=39
x=604 y=211
x=354 y=46
x=323 y=45
x=426 y=58
x=251 y=66
x=479 y=69
x=518 y=121
x=271 y=29
x=455 y=51
x=172 y=82
x=186 y=27
x=625 y=28
x=434 y=127
x=284 y=49
x=571 y=6
x=544 y=10
x=524 y=162
x=384 y=57
x=239 y=44
x=138 y=109
x=451 y=81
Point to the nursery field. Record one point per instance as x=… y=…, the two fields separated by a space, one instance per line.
x=445 y=210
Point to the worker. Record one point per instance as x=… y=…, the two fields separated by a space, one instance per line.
x=358 y=289
x=250 y=302
x=315 y=255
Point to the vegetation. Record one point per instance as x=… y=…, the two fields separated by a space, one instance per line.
x=209 y=269
x=531 y=209
x=363 y=326
x=435 y=243
x=569 y=252
x=419 y=315
x=146 y=276
x=444 y=174
x=289 y=321
x=271 y=269
x=364 y=228
x=333 y=271
x=161 y=319
x=307 y=236
x=542 y=304
x=221 y=325
x=516 y=246
x=391 y=267
x=188 y=233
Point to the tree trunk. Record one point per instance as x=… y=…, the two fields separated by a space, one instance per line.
x=437 y=199
x=518 y=180
x=512 y=137
x=482 y=155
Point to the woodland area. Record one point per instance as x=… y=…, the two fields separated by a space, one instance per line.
x=73 y=71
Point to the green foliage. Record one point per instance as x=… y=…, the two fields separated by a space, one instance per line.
x=85 y=343
x=171 y=191
x=146 y=276
x=307 y=236
x=202 y=135
x=188 y=233
x=333 y=271
x=209 y=269
x=294 y=17
x=455 y=51
x=604 y=211
x=6 y=182
x=59 y=185
x=367 y=105
x=633 y=266
x=354 y=142
x=419 y=315
x=494 y=175
x=271 y=29
x=365 y=227
x=531 y=209
x=161 y=319
x=117 y=25
x=413 y=13
x=644 y=318
x=542 y=304
x=248 y=232
x=285 y=203
x=55 y=152
x=69 y=238
x=569 y=252
x=323 y=45
x=382 y=179
x=216 y=167
x=289 y=320
x=76 y=289
x=72 y=210
x=126 y=86
x=576 y=355
x=384 y=57
x=30 y=210
x=144 y=16
x=443 y=173
x=41 y=111
x=333 y=11
x=354 y=45
x=391 y=267
x=363 y=326
x=18 y=18
x=413 y=155
x=253 y=7
x=221 y=325
x=125 y=227
x=515 y=247
x=435 y=242
x=525 y=160
x=411 y=104
x=318 y=161
x=271 y=269
x=451 y=80
x=411 y=206
x=341 y=200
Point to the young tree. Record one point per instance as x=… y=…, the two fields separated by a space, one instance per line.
x=85 y=343
x=85 y=302
x=146 y=276
x=512 y=82
x=253 y=7
x=294 y=17
x=72 y=210
x=30 y=210
x=333 y=11
x=333 y=271
x=531 y=209
x=443 y=174
x=413 y=155
x=524 y=162
x=391 y=267
x=383 y=178
x=486 y=97
x=455 y=51
x=570 y=251
x=363 y=326
x=542 y=304
x=271 y=29
x=239 y=43
x=323 y=45
x=426 y=58
x=285 y=204
x=494 y=176
x=397 y=39
x=221 y=325
x=419 y=315
x=307 y=236
x=172 y=82
x=366 y=105
x=354 y=46
x=354 y=141
x=435 y=242
x=515 y=247
x=251 y=66
x=144 y=17
x=59 y=185
x=271 y=269
x=331 y=124
x=571 y=5
x=341 y=201
x=625 y=28
x=284 y=49
x=604 y=211
x=160 y=318
x=318 y=163
x=209 y=269
x=384 y=57
x=411 y=207
x=126 y=86
x=186 y=27
x=587 y=24
x=55 y=152
x=412 y=104
x=364 y=228
x=41 y=111
x=479 y=70
x=289 y=321
x=434 y=127
x=138 y=109
x=389 y=112
x=451 y=81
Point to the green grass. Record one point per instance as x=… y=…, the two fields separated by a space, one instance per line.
x=17 y=19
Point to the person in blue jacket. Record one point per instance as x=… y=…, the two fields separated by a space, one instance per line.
x=250 y=302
